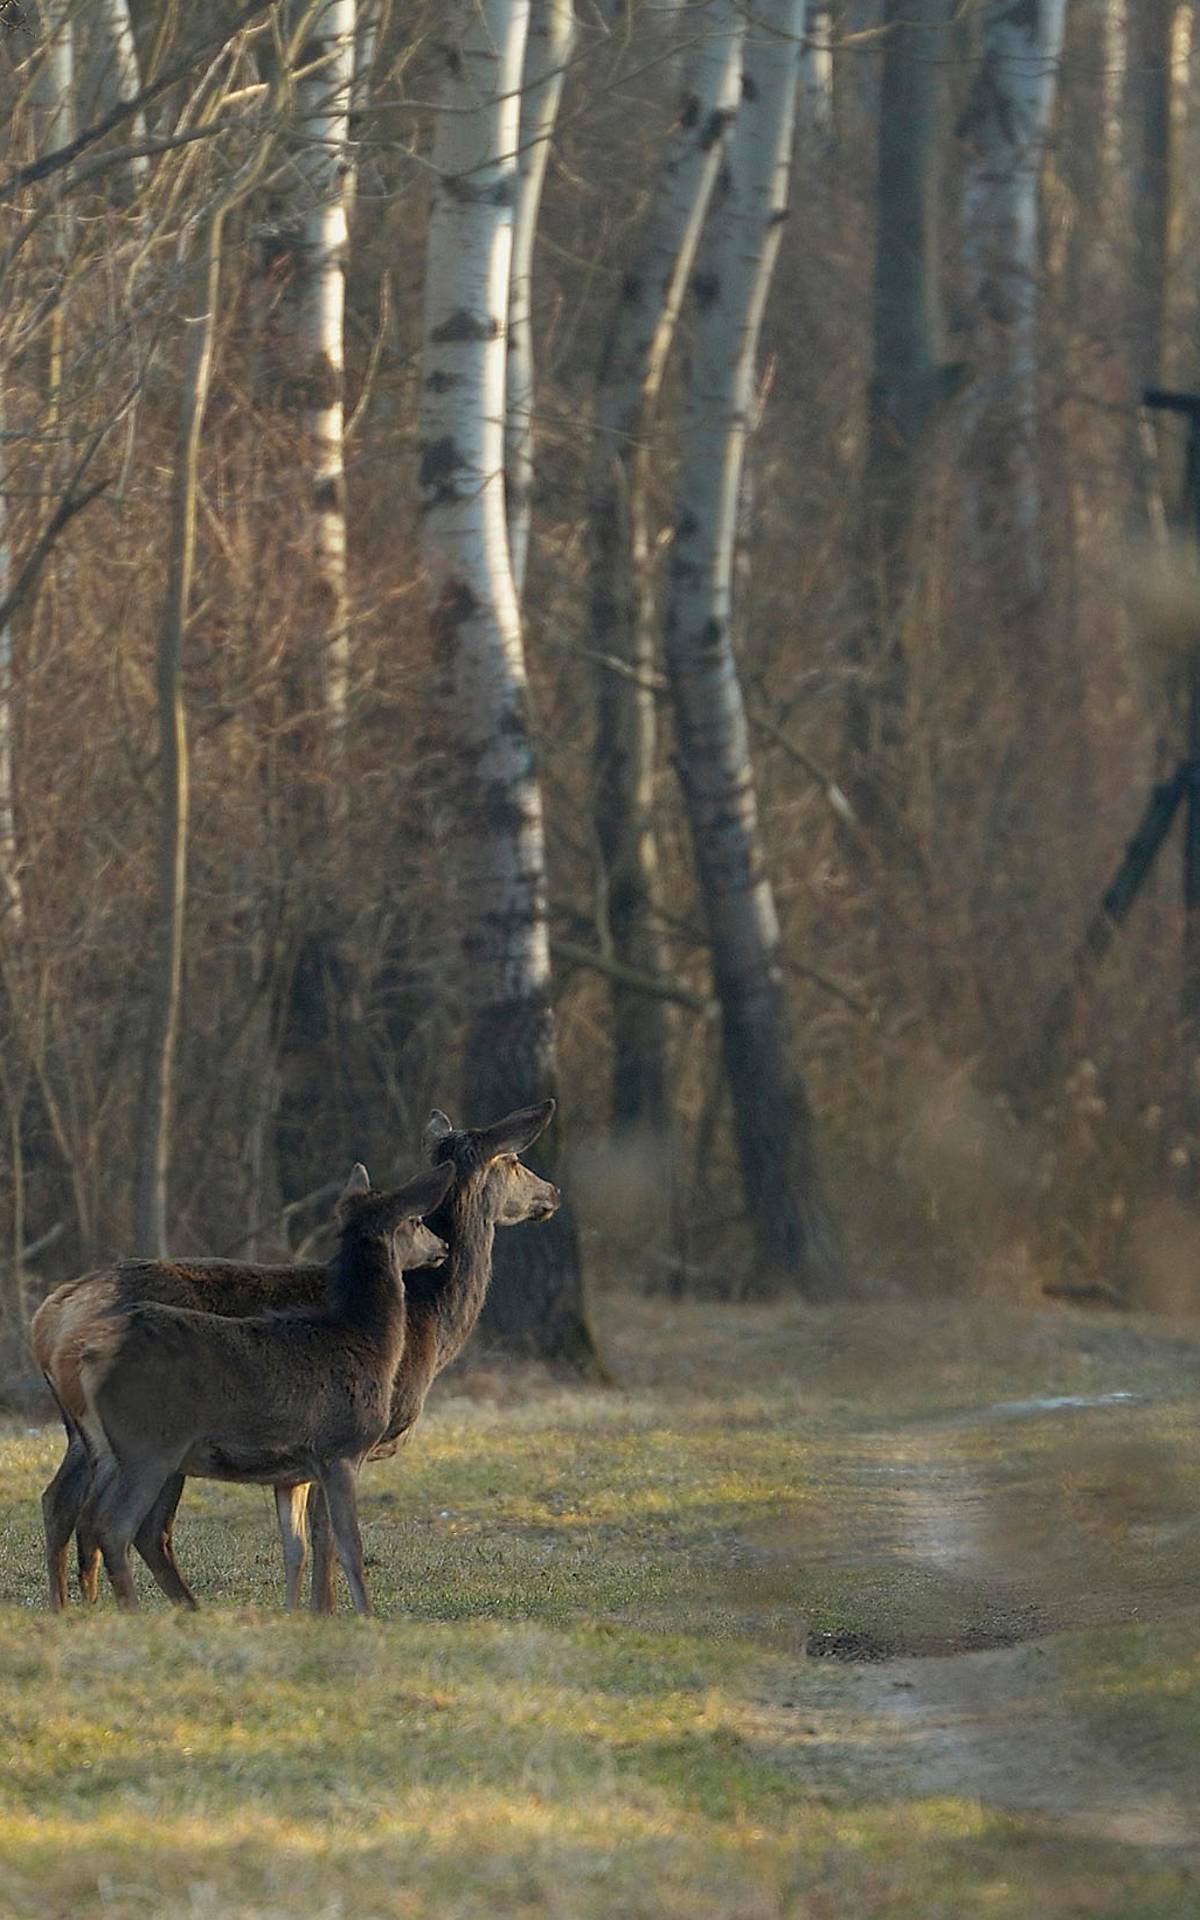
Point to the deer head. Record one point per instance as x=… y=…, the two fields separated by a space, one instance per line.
x=517 y=1192
x=398 y=1216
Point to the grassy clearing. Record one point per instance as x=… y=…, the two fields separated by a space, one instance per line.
x=587 y=1692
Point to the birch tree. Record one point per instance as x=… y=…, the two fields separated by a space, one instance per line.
x=114 y=76
x=733 y=275
x=510 y=1054
x=1004 y=129
x=323 y=97
x=551 y=35
x=621 y=627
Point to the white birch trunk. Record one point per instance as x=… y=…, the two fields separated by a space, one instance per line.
x=113 y=74
x=323 y=111
x=54 y=85
x=1004 y=128
x=817 y=112
x=551 y=35
x=621 y=626
x=732 y=279
x=499 y=839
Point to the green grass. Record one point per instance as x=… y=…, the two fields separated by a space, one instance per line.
x=586 y=1692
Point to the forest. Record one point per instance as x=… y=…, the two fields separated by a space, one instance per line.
x=599 y=636
x=611 y=550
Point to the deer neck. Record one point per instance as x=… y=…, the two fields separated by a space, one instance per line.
x=366 y=1293
x=471 y=1222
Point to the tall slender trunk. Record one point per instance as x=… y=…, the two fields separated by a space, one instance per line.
x=1148 y=113
x=548 y=48
x=632 y=365
x=818 y=66
x=54 y=86
x=114 y=75
x=774 y=1130
x=322 y=168
x=154 y=1116
x=11 y=894
x=510 y=1060
x=909 y=383
x=1004 y=129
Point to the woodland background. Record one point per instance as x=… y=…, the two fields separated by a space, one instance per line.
x=963 y=643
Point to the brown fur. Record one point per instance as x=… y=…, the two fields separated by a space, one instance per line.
x=287 y=1398
x=491 y=1187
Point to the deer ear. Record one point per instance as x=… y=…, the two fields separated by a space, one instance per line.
x=516 y=1131
x=435 y=1129
x=358 y=1184
x=424 y=1194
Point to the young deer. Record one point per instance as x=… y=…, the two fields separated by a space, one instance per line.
x=229 y=1288
x=444 y=1307
x=286 y=1398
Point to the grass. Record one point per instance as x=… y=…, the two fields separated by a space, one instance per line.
x=586 y=1693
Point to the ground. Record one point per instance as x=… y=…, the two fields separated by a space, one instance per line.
x=873 y=1612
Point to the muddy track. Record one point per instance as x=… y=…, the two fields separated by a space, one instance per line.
x=1024 y=1523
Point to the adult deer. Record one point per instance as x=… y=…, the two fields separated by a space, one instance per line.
x=491 y=1187
x=284 y=1398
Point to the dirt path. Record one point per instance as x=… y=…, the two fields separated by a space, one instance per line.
x=989 y=1543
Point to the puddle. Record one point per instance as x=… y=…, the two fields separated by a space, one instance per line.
x=1056 y=1403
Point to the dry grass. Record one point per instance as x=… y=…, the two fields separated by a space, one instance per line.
x=586 y=1693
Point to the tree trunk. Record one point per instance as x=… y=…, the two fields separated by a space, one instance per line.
x=1004 y=129
x=632 y=365
x=154 y=1113
x=551 y=35
x=54 y=86
x=1148 y=111
x=782 y=1184
x=11 y=898
x=322 y=169
x=909 y=383
x=818 y=66
x=114 y=78
x=1148 y=104
x=536 y=1303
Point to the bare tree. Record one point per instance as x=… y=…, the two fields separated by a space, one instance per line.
x=322 y=169
x=114 y=75
x=1004 y=129
x=910 y=381
x=621 y=626
x=548 y=48
x=202 y=281
x=733 y=276
x=536 y=1301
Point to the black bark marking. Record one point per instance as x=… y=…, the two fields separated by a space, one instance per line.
x=439 y=460
x=714 y=128
x=463 y=326
x=689 y=112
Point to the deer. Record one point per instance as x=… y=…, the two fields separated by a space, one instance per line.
x=286 y=1398
x=481 y=1158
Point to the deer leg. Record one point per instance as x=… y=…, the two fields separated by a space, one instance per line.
x=154 y=1542
x=323 y=1598
x=339 y=1483
x=290 y=1504
x=128 y=1492
x=62 y=1503
x=87 y=1549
